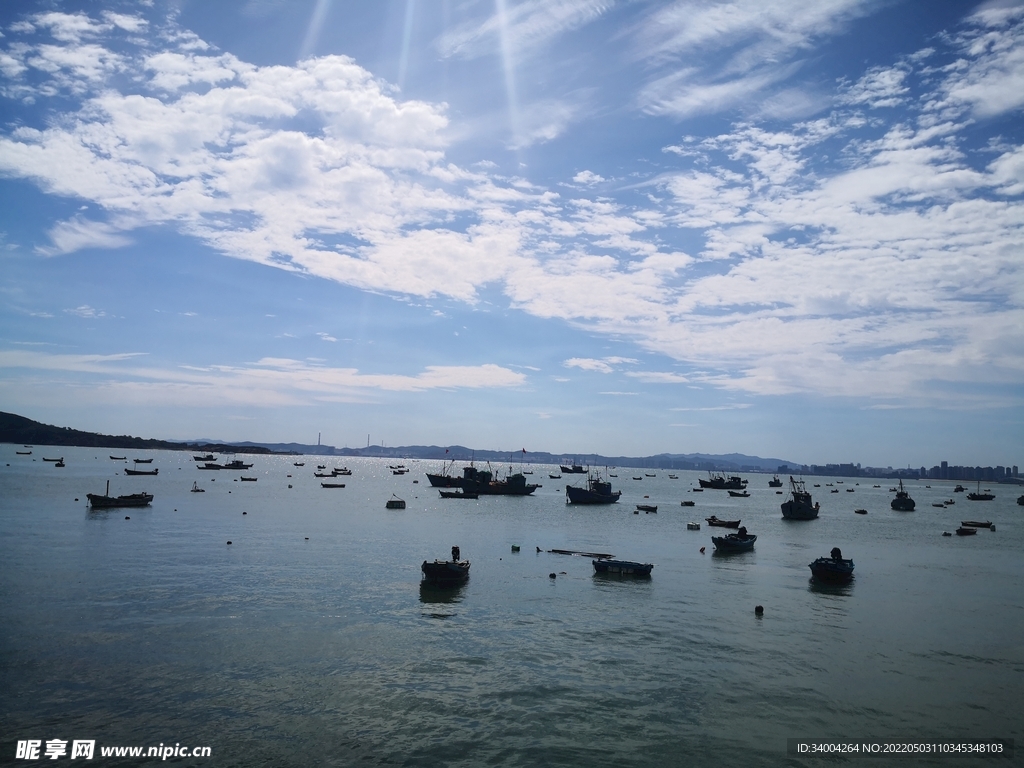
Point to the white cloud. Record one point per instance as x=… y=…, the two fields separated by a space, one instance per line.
x=588 y=364
x=86 y=311
x=587 y=177
x=77 y=234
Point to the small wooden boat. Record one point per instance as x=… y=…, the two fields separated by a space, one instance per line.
x=395 y=503
x=245 y=479
x=637 y=478
x=338 y=485
x=445 y=571
x=118 y=458
x=143 y=461
x=298 y=464
x=60 y=463
x=959 y=489
x=321 y=466
x=1020 y=500
x=54 y=460
x=687 y=503
x=833 y=568
x=850 y=490
x=741 y=494
x=962 y=531
x=106 y=501
x=555 y=477
x=323 y=474
x=458 y=494
x=693 y=526
x=23 y=453
x=141 y=471
x=210 y=465
x=673 y=477
x=578 y=553
x=399 y=471
x=207 y=457
x=342 y=471
x=939 y=505
x=834 y=490
x=734 y=542
x=647 y=507
x=697 y=490
x=976 y=524
x=713 y=520
x=979 y=495
x=860 y=511
x=648 y=474
x=197 y=489
x=623 y=567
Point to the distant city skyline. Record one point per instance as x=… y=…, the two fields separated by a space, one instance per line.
x=787 y=229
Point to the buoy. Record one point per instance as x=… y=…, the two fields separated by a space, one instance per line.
x=229 y=542
x=702 y=550
x=126 y=517
x=76 y=499
x=552 y=576
x=245 y=513
x=759 y=610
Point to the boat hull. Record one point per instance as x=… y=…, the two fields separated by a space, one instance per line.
x=458 y=495
x=714 y=521
x=576 y=495
x=99 y=501
x=623 y=567
x=794 y=510
x=733 y=543
x=831 y=569
x=141 y=471
x=445 y=571
x=722 y=483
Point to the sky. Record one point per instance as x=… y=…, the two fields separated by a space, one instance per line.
x=790 y=229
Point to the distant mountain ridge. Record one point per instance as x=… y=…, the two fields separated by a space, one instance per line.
x=21 y=430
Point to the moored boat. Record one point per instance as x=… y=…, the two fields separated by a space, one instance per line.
x=196 y=488
x=1020 y=500
x=860 y=511
x=979 y=495
x=686 y=503
x=452 y=571
x=720 y=482
x=833 y=568
x=141 y=471
x=25 y=453
x=458 y=495
x=395 y=503
x=740 y=541
x=118 y=458
x=647 y=507
x=107 y=501
x=210 y=465
x=976 y=524
x=902 y=502
x=598 y=491
x=959 y=489
x=207 y=457
x=775 y=482
x=964 y=531
x=624 y=567
x=572 y=469
x=54 y=460
x=335 y=485
x=245 y=479
x=714 y=521
x=555 y=477
x=800 y=507
x=739 y=494
x=142 y=461
x=236 y=464
x=693 y=526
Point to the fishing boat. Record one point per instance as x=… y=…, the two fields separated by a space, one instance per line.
x=118 y=458
x=60 y=463
x=142 y=461
x=445 y=571
x=693 y=526
x=623 y=567
x=860 y=511
x=236 y=464
x=323 y=474
x=734 y=542
x=637 y=478
x=555 y=477
x=775 y=482
x=23 y=453
x=446 y=479
x=979 y=495
x=458 y=495
x=673 y=477
x=207 y=457
x=341 y=485
x=298 y=463
x=902 y=502
x=483 y=482
x=714 y=521
x=648 y=474
x=395 y=503
x=720 y=482
x=345 y=471
x=210 y=465
x=686 y=503
x=647 y=507
x=964 y=531
x=107 y=501
x=940 y=505
x=800 y=506
x=740 y=494
x=245 y=479
x=141 y=471
x=572 y=469
x=833 y=568
x=598 y=491
x=1020 y=500
x=959 y=489
x=976 y=524
x=196 y=488
x=54 y=460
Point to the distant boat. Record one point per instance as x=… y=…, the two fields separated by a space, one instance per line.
x=959 y=489
x=572 y=469
x=976 y=524
x=446 y=479
x=555 y=477
x=197 y=489
x=964 y=531
x=720 y=482
x=850 y=490
x=323 y=474
x=624 y=567
x=647 y=507
x=298 y=464
x=734 y=542
x=54 y=460
x=24 y=453
x=210 y=465
x=648 y=474
x=860 y=511
x=686 y=503
x=236 y=464
x=395 y=503
x=693 y=526
x=107 y=501
x=714 y=521
x=245 y=479
x=637 y=478
x=902 y=502
x=979 y=496
x=1020 y=500
x=740 y=494
x=143 y=461
x=597 y=491
x=775 y=482
x=207 y=457
x=445 y=571
x=337 y=485
x=118 y=458
x=673 y=477
x=141 y=471
x=60 y=463
x=458 y=495
x=342 y=471
x=833 y=568
x=799 y=507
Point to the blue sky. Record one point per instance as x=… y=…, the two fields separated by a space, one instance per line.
x=789 y=229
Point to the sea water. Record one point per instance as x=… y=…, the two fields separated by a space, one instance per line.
x=308 y=640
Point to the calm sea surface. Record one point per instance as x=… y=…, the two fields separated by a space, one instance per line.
x=309 y=640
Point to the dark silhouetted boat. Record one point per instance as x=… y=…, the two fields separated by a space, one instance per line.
x=714 y=521
x=446 y=479
x=458 y=495
x=597 y=491
x=23 y=453
x=245 y=479
x=976 y=524
x=647 y=507
x=197 y=489
x=207 y=457
x=734 y=542
x=335 y=485
x=211 y=465
x=833 y=568
x=623 y=567
x=395 y=503
x=800 y=506
x=141 y=471
x=902 y=502
x=722 y=483
x=686 y=503
x=979 y=495
x=775 y=482
x=236 y=464
x=107 y=501
x=54 y=460
x=445 y=571
x=964 y=531
x=142 y=461
x=572 y=469
x=118 y=458
x=740 y=494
